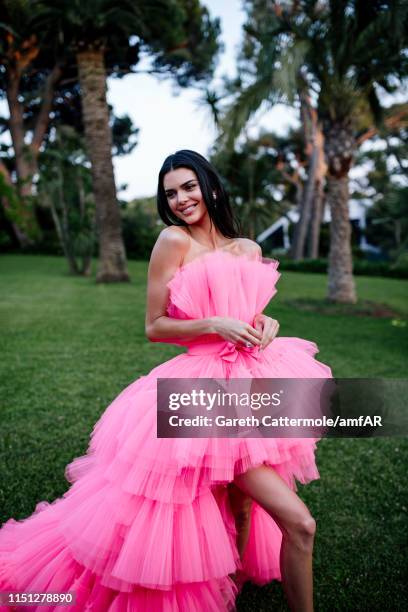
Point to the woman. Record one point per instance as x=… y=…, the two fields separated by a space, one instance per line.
x=171 y=524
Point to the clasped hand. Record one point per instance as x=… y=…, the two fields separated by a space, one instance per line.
x=261 y=333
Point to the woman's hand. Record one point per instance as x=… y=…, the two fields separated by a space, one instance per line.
x=267 y=327
x=236 y=331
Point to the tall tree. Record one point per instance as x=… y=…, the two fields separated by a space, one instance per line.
x=101 y=34
x=66 y=112
x=299 y=162
x=349 y=53
x=22 y=80
x=311 y=203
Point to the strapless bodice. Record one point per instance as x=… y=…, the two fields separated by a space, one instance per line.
x=221 y=284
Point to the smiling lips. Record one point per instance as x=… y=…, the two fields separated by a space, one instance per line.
x=188 y=210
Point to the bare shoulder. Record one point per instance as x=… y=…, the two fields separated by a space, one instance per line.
x=170 y=247
x=174 y=236
x=250 y=247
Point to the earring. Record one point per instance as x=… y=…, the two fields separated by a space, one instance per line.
x=215 y=199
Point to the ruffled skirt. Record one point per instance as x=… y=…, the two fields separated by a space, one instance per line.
x=146 y=523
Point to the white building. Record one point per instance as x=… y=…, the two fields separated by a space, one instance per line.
x=357 y=210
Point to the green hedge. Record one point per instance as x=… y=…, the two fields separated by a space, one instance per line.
x=360 y=267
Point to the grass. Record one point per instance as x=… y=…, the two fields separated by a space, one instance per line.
x=70 y=346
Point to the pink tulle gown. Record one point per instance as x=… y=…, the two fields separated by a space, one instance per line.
x=146 y=523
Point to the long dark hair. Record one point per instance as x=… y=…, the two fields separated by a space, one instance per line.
x=219 y=209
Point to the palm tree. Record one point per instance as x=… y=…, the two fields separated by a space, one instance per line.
x=112 y=32
x=346 y=53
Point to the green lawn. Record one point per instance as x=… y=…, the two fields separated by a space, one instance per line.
x=70 y=346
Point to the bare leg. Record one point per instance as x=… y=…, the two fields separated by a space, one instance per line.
x=241 y=509
x=298 y=527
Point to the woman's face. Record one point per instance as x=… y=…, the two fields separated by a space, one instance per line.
x=184 y=195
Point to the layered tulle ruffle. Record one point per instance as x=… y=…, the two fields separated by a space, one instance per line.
x=146 y=523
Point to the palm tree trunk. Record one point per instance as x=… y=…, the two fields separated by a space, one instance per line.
x=311 y=131
x=339 y=148
x=297 y=182
x=316 y=222
x=318 y=203
x=341 y=283
x=306 y=207
x=92 y=77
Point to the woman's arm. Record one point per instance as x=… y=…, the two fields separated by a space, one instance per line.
x=167 y=256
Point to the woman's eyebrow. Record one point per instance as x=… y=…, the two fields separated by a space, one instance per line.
x=183 y=185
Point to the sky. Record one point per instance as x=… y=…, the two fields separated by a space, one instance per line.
x=168 y=122
x=171 y=118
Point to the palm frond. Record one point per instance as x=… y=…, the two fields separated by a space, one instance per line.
x=247 y=102
x=285 y=80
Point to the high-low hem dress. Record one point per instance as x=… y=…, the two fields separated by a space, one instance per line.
x=146 y=523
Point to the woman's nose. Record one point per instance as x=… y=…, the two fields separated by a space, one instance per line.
x=182 y=197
